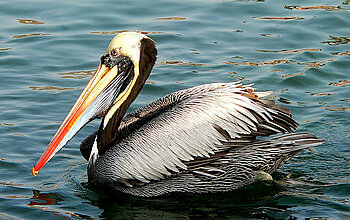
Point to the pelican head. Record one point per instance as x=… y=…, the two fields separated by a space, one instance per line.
x=119 y=78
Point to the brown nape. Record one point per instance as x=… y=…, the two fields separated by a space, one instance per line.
x=148 y=56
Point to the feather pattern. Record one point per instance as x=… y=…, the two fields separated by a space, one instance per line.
x=199 y=131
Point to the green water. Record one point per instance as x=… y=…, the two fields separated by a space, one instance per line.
x=298 y=49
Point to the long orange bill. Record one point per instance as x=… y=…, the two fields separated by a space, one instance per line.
x=97 y=97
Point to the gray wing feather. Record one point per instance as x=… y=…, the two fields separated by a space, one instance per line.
x=157 y=140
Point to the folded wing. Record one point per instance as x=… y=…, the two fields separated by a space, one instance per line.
x=190 y=127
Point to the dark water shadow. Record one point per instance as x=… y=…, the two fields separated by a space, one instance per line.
x=258 y=200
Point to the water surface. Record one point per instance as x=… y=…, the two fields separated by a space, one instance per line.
x=300 y=50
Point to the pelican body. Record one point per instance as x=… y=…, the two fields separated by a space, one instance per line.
x=198 y=140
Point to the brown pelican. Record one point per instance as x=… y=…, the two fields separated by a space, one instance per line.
x=198 y=140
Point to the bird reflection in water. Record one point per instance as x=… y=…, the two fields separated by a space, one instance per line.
x=44 y=198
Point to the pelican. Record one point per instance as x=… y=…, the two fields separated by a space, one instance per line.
x=198 y=140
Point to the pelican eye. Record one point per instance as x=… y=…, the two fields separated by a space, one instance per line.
x=114 y=52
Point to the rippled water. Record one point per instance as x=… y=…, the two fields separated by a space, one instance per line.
x=298 y=49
